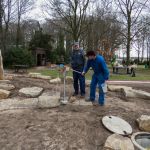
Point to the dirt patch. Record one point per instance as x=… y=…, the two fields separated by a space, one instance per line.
x=66 y=127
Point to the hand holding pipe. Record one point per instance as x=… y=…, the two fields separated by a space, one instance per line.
x=76 y=71
x=63 y=69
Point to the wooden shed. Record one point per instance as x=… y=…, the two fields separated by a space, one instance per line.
x=39 y=55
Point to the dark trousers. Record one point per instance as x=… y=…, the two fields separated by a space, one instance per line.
x=79 y=79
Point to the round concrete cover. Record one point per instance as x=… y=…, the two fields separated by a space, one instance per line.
x=117 y=125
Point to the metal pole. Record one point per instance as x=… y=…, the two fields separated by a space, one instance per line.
x=64 y=101
x=76 y=71
x=64 y=85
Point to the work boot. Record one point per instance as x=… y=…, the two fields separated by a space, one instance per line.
x=101 y=104
x=82 y=96
x=75 y=94
x=88 y=100
x=95 y=103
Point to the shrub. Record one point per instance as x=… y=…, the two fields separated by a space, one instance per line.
x=18 y=56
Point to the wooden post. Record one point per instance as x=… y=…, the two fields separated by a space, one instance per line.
x=1 y=67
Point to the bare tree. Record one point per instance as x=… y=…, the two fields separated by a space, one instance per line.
x=141 y=39
x=138 y=46
x=5 y=18
x=70 y=14
x=29 y=27
x=147 y=39
x=1 y=21
x=9 y=6
x=131 y=11
x=148 y=48
x=22 y=8
x=103 y=31
x=98 y=26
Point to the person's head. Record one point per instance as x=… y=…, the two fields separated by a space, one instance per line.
x=76 y=46
x=91 y=55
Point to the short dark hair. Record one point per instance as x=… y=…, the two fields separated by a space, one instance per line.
x=90 y=53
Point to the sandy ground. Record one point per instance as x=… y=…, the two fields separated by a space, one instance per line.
x=66 y=127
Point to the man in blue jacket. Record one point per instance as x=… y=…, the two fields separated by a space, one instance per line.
x=77 y=64
x=101 y=74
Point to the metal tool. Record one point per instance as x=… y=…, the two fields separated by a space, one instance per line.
x=76 y=71
x=64 y=100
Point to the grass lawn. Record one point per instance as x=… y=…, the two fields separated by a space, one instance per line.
x=141 y=74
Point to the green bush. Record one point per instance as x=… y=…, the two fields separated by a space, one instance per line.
x=55 y=57
x=144 y=63
x=18 y=56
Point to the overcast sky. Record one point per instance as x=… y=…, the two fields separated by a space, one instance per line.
x=37 y=14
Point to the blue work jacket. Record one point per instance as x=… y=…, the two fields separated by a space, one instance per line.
x=99 y=67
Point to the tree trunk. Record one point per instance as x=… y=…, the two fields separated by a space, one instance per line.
x=138 y=52
x=18 y=34
x=149 y=57
x=1 y=67
x=147 y=51
x=5 y=36
x=143 y=46
x=128 y=51
x=128 y=39
x=1 y=25
x=138 y=57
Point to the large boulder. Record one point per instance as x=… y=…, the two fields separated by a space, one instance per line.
x=129 y=92
x=5 y=81
x=69 y=79
x=6 y=86
x=118 y=142
x=49 y=101
x=44 y=101
x=9 y=76
x=34 y=74
x=26 y=103
x=9 y=104
x=44 y=77
x=142 y=94
x=114 y=88
x=39 y=76
x=55 y=81
x=144 y=123
x=30 y=91
x=4 y=94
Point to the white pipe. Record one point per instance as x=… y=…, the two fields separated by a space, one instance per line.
x=64 y=85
